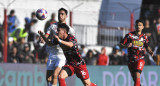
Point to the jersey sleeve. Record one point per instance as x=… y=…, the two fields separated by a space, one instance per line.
x=52 y=28
x=125 y=40
x=73 y=40
x=71 y=31
x=49 y=30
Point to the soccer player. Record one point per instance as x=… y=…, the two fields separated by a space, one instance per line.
x=56 y=56
x=136 y=42
x=75 y=63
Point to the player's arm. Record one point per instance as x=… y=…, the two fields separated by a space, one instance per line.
x=71 y=31
x=126 y=42
x=69 y=44
x=44 y=37
x=47 y=33
x=150 y=51
x=147 y=47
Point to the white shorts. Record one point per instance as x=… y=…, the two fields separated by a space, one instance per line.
x=54 y=62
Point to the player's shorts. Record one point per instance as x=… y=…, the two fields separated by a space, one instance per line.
x=80 y=71
x=136 y=66
x=54 y=62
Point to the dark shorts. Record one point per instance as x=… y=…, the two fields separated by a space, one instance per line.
x=80 y=71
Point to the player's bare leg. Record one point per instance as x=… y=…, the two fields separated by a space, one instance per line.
x=133 y=74
x=56 y=73
x=49 y=76
x=137 y=79
x=87 y=82
x=62 y=76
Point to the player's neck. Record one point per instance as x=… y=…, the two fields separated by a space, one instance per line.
x=138 y=32
x=62 y=22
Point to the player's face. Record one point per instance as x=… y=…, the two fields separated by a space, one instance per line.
x=60 y=33
x=62 y=16
x=139 y=26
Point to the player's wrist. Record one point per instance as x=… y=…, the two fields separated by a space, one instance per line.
x=60 y=41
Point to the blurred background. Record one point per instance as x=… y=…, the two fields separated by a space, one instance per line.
x=99 y=25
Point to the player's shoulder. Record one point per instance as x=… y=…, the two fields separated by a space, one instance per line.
x=54 y=24
x=69 y=27
x=144 y=35
x=131 y=33
x=71 y=36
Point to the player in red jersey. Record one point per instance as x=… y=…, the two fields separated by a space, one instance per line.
x=136 y=42
x=75 y=63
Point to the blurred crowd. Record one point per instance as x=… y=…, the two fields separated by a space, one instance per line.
x=24 y=45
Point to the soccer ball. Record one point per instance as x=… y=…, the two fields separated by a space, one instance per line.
x=41 y=14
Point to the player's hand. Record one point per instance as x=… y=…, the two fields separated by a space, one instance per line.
x=56 y=37
x=41 y=39
x=40 y=32
x=129 y=45
x=55 y=40
x=151 y=53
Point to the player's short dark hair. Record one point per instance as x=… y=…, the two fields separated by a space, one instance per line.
x=64 y=26
x=63 y=10
x=139 y=20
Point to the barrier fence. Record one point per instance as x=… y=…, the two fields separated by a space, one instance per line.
x=34 y=75
x=94 y=35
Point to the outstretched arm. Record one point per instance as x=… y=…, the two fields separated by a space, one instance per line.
x=69 y=44
x=45 y=39
x=150 y=51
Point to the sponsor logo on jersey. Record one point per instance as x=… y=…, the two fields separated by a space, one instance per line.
x=137 y=43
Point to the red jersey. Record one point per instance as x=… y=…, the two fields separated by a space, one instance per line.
x=139 y=42
x=72 y=55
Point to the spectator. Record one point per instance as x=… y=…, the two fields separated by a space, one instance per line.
x=33 y=30
x=29 y=56
x=151 y=34
x=1 y=42
x=147 y=58
x=20 y=33
x=43 y=54
x=11 y=44
x=158 y=29
x=90 y=58
x=50 y=22
x=115 y=58
x=150 y=12
x=124 y=56
x=33 y=16
x=13 y=22
x=27 y=23
x=21 y=42
x=82 y=51
x=103 y=59
x=13 y=55
x=153 y=24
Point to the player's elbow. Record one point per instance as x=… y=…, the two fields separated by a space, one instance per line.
x=70 y=46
